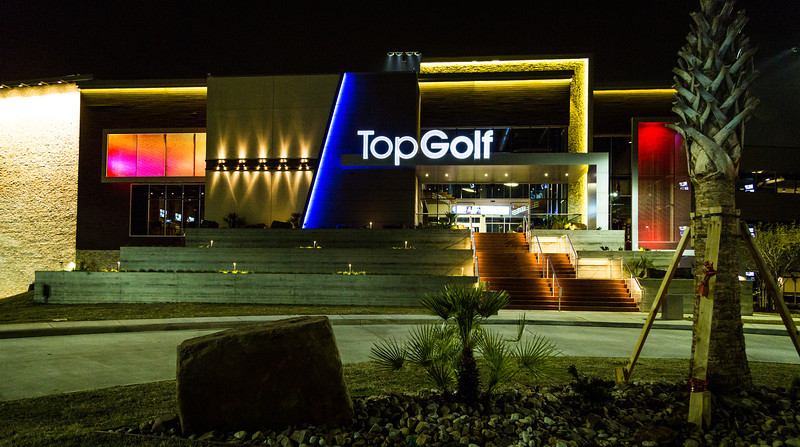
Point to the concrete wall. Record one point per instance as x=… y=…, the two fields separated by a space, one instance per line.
x=328 y=238
x=262 y=288
x=683 y=289
x=299 y=260
x=583 y=239
x=269 y=117
x=39 y=128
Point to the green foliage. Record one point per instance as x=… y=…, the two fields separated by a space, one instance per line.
x=448 y=220
x=234 y=221
x=446 y=351
x=640 y=265
x=590 y=389
x=295 y=220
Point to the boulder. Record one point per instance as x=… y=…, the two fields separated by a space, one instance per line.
x=272 y=375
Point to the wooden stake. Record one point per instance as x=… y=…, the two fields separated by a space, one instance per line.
x=772 y=286
x=700 y=397
x=623 y=373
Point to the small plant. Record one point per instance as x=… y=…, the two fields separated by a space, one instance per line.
x=590 y=389
x=234 y=221
x=446 y=351
x=448 y=220
x=640 y=265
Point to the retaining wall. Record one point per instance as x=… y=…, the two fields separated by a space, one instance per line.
x=298 y=260
x=260 y=288
x=328 y=238
x=683 y=289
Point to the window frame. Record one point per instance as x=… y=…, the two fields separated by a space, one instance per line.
x=104 y=178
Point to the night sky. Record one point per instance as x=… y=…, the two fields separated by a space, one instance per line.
x=633 y=43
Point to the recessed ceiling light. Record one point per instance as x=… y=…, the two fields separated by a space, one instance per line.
x=566 y=174
x=506 y=174
x=446 y=174
x=545 y=174
x=486 y=175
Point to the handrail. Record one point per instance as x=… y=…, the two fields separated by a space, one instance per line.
x=476 y=268
x=572 y=254
x=554 y=283
x=539 y=252
x=632 y=282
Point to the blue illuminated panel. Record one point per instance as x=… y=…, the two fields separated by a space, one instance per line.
x=355 y=196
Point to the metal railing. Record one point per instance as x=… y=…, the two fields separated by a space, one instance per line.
x=569 y=249
x=536 y=247
x=476 y=268
x=554 y=283
x=631 y=281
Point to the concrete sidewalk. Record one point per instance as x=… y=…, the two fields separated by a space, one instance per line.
x=757 y=324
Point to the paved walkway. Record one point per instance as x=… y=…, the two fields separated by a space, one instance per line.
x=49 y=358
x=758 y=324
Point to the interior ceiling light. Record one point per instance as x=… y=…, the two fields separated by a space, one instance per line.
x=468 y=189
x=511 y=184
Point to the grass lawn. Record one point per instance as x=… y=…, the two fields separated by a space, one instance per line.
x=75 y=419
x=21 y=309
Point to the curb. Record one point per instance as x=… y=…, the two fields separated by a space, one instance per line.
x=75 y=328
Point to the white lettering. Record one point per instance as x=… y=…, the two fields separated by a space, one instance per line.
x=487 y=139
x=398 y=153
x=375 y=142
x=454 y=147
x=433 y=145
x=441 y=147
x=366 y=134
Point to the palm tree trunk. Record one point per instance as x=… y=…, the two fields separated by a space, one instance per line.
x=468 y=379
x=728 y=370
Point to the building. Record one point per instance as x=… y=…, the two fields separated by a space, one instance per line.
x=89 y=166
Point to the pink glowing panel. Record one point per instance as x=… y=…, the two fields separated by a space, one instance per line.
x=180 y=155
x=121 y=156
x=150 y=155
x=200 y=154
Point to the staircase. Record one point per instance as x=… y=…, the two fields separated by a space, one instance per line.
x=504 y=262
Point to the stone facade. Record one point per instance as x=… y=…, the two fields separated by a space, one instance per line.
x=38 y=182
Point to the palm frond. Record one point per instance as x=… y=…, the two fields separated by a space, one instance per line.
x=498 y=359
x=534 y=353
x=388 y=354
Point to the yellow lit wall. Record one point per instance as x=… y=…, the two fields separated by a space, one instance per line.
x=264 y=117
x=38 y=181
x=580 y=104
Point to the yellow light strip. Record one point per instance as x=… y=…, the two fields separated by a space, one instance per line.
x=490 y=84
x=638 y=91
x=146 y=90
x=579 y=92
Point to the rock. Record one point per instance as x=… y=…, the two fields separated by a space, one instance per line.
x=300 y=436
x=277 y=374
x=165 y=423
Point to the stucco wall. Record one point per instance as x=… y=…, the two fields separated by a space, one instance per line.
x=38 y=181
x=264 y=117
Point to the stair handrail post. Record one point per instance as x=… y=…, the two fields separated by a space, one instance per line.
x=554 y=283
x=476 y=269
x=539 y=252
x=631 y=281
x=572 y=254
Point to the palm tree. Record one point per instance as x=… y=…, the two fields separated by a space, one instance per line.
x=715 y=69
x=446 y=350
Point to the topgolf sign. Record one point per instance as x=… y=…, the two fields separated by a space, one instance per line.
x=433 y=145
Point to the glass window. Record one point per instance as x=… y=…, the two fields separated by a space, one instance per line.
x=155 y=155
x=165 y=210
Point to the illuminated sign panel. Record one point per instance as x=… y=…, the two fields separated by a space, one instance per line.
x=496 y=210
x=433 y=145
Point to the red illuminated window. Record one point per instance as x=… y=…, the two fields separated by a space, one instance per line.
x=155 y=155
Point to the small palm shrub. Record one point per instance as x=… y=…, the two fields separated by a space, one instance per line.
x=446 y=350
